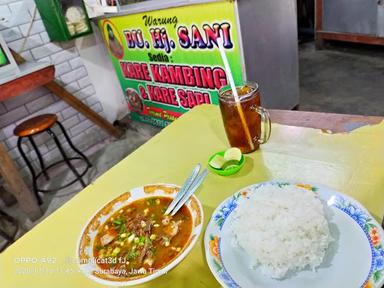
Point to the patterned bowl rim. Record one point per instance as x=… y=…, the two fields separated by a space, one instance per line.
x=229 y=282
x=198 y=221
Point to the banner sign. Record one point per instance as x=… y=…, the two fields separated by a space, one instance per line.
x=167 y=60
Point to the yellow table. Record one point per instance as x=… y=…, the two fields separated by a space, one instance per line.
x=352 y=163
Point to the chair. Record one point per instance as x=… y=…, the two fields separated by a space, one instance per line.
x=40 y=124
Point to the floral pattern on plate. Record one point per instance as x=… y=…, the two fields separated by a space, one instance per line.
x=344 y=203
x=214 y=250
x=370 y=228
x=227 y=209
x=214 y=244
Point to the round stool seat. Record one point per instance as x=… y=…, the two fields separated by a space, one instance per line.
x=44 y=124
x=35 y=125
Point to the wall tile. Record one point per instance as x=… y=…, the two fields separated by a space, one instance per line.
x=11 y=34
x=13 y=116
x=45 y=50
x=39 y=103
x=31 y=42
x=69 y=71
x=37 y=27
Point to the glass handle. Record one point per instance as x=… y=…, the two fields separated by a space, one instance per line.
x=266 y=121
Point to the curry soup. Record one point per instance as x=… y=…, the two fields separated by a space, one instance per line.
x=139 y=239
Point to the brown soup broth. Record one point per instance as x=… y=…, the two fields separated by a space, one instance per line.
x=139 y=236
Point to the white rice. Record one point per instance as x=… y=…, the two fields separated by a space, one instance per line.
x=282 y=229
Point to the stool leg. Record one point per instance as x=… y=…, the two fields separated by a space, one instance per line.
x=71 y=144
x=53 y=135
x=34 y=180
x=9 y=218
x=6 y=236
x=39 y=157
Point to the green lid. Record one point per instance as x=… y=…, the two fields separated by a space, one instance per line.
x=228 y=171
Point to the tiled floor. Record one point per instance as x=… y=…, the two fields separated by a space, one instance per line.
x=345 y=78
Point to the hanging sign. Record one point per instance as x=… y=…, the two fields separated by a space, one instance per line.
x=167 y=60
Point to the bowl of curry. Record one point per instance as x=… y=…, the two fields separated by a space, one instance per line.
x=130 y=241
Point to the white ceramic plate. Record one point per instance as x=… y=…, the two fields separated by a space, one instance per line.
x=355 y=259
x=87 y=236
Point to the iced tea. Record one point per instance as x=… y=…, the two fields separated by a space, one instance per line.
x=254 y=117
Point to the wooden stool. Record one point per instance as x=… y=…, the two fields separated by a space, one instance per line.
x=40 y=124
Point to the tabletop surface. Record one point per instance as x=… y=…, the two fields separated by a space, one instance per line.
x=347 y=162
x=32 y=75
x=25 y=69
x=328 y=122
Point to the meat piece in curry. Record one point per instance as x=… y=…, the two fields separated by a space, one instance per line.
x=139 y=238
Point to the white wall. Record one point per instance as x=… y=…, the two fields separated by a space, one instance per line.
x=95 y=57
